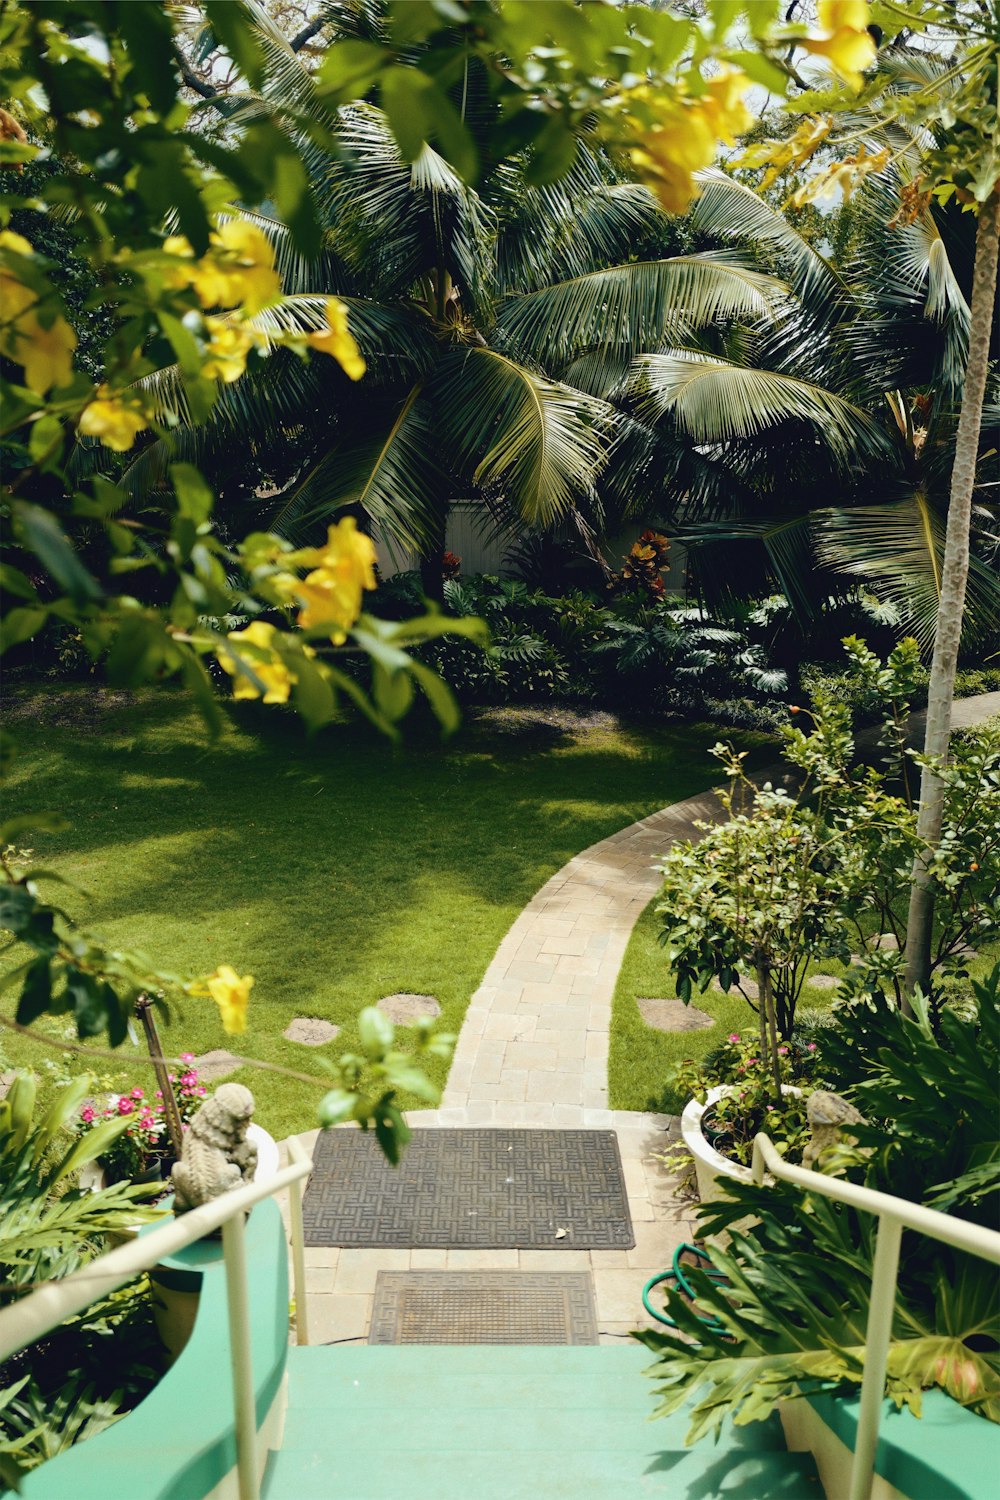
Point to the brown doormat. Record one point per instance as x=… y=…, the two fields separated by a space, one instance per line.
x=483 y=1307
x=471 y=1189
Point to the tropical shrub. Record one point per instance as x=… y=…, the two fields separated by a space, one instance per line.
x=794 y=1302
x=79 y=1380
x=48 y=1225
x=822 y=871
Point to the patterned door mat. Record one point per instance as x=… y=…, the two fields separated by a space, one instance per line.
x=483 y=1307
x=471 y=1189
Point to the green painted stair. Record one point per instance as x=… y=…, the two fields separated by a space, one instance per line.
x=507 y=1423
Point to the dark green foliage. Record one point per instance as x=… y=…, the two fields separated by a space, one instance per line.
x=795 y=1306
x=647 y=659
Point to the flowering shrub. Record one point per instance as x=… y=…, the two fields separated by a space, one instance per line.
x=145 y=1140
x=732 y=1122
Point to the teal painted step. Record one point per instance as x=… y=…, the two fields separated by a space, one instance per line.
x=508 y=1423
x=947 y=1453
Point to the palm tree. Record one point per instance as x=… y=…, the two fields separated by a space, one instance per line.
x=483 y=314
x=836 y=419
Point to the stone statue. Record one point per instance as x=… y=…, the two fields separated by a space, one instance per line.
x=828 y=1116
x=216 y=1155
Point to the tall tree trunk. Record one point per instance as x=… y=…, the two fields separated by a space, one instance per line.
x=955 y=572
x=768 y=1028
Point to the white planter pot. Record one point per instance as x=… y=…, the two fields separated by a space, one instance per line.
x=712 y=1168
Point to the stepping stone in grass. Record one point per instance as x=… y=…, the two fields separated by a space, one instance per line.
x=214 y=1065
x=885 y=940
x=822 y=982
x=404 y=1009
x=673 y=1015
x=310 y=1031
x=747 y=987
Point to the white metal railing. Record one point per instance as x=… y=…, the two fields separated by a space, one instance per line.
x=894 y=1215
x=33 y=1316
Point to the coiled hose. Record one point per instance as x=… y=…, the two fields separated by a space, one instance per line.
x=677 y=1279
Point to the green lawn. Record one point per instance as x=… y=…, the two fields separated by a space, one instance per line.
x=641 y=1059
x=336 y=870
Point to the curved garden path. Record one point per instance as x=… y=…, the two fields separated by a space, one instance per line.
x=533 y=1051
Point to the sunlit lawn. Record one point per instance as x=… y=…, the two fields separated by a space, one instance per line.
x=334 y=870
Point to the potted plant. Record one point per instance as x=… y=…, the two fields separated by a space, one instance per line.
x=731 y=1098
x=142 y=1151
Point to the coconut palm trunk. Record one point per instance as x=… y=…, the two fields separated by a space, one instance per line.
x=954 y=577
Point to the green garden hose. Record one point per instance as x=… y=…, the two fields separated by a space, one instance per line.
x=676 y=1276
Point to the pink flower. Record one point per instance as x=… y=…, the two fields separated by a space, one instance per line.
x=811 y=1047
x=203 y=1091
x=159 y=1093
x=782 y=1051
x=125 y=1105
x=734 y=1036
x=172 y=1078
x=753 y=1059
x=188 y=1080
x=137 y=1094
x=187 y=1057
x=86 y=1114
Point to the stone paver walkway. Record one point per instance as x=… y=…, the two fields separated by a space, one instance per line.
x=536 y=1030
x=533 y=1052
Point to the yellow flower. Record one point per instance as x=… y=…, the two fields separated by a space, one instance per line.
x=44 y=353
x=237 y=271
x=682 y=143
x=723 y=105
x=10 y=240
x=336 y=339
x=273 y=673
x=116 y=422
x=331 y=593
x=843 y=39
x=232 y=995
x=228 y=348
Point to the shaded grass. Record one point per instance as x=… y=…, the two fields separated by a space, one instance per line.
x=335 y=870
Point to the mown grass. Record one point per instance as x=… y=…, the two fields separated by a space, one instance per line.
x=335 y=870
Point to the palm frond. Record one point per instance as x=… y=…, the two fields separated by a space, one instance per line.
x=731 y=210
x=716 y=401
x=898 y=550
x=640 y=301
x=786 y=545
x=391 y=471
x=538 y=443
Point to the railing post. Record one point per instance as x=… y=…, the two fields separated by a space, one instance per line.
x=877 y=1336
x=234 y=1255
x=298 y=1250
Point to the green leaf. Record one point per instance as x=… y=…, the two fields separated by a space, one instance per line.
x=93 y=1002
x=147 y=31
x=36 y=992
x=336 y=1106
x=229 y=22
x=17 y=908
x=20 y=625
x=406 y=100
x=44 y=443
x=42 y=534
x=194 y=496
x=375 y=1032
